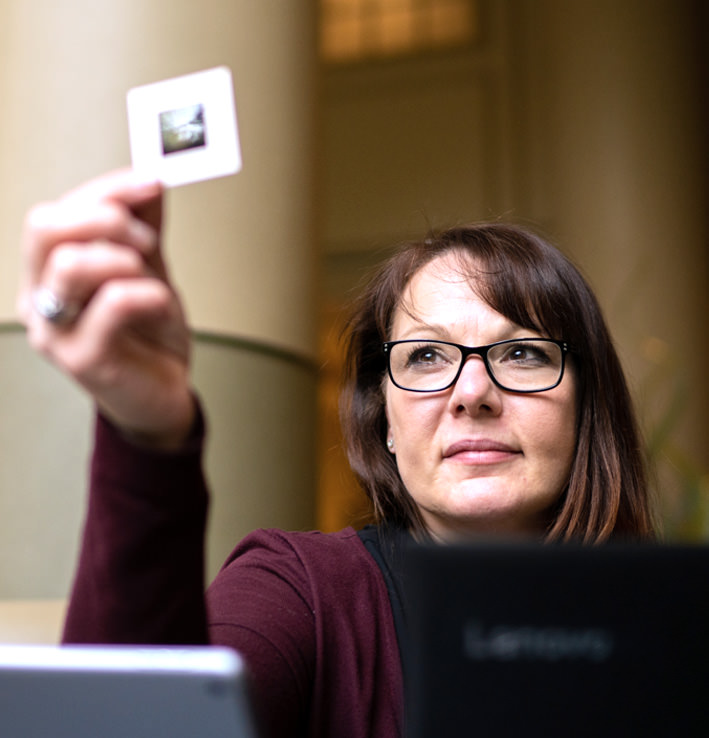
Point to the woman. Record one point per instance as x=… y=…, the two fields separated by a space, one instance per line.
x=483 y=395
x=515 y=274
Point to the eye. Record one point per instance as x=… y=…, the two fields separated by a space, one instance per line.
x=425 y=355
x=525 y=353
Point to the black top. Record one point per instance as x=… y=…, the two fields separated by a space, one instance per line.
x=387 y=545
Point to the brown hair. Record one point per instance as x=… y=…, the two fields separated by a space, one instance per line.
x=535 y=286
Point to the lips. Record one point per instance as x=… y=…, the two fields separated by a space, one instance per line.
x=482 y=450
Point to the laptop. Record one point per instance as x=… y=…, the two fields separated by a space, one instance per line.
x=116 y=692
x=557 y=640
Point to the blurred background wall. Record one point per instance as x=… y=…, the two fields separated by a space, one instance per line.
x=362 y=124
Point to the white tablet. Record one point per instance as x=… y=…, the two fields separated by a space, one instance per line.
x=117 y=691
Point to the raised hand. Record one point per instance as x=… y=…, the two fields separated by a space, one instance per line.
x=96 y=300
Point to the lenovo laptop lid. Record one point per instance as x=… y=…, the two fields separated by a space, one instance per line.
x=532 y=640
x=116 y=692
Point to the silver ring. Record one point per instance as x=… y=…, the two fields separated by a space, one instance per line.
x=53 y=308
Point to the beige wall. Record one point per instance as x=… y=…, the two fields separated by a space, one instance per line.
x=31 y=621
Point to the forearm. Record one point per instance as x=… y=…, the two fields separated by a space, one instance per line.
x=140 y=577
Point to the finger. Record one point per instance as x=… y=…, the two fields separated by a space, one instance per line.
x=87 y=346
x=49 y=224
x=75 y=272
x=143 y=197
x=108 y=207
x=55 y=223
x=122 y=185
x=121 y=310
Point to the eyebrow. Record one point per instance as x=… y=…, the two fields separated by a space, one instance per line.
x=442 y=333
x=439 y=330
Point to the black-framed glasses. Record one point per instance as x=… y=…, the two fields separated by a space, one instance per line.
x=517 y=365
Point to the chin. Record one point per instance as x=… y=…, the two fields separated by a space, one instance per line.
x=466 y=522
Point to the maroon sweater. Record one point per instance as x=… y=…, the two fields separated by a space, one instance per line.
x=309 y=612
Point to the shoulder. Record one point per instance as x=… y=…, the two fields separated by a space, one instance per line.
x=326 y=581
x=311 y=612
x=311 y=553
x=320 y=568
x=309 y=543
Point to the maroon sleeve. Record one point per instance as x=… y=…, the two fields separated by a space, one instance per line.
x=310 y=613
x=140 y=577
x=260 y=604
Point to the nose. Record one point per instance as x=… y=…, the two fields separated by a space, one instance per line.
x=474 y=389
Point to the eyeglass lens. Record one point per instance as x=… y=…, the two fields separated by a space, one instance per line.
x=523 y=365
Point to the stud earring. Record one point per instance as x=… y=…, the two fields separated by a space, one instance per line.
x=390 y=444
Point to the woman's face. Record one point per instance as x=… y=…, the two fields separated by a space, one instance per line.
x=476 y=459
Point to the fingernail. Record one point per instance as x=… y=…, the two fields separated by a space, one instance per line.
x=142 y=235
